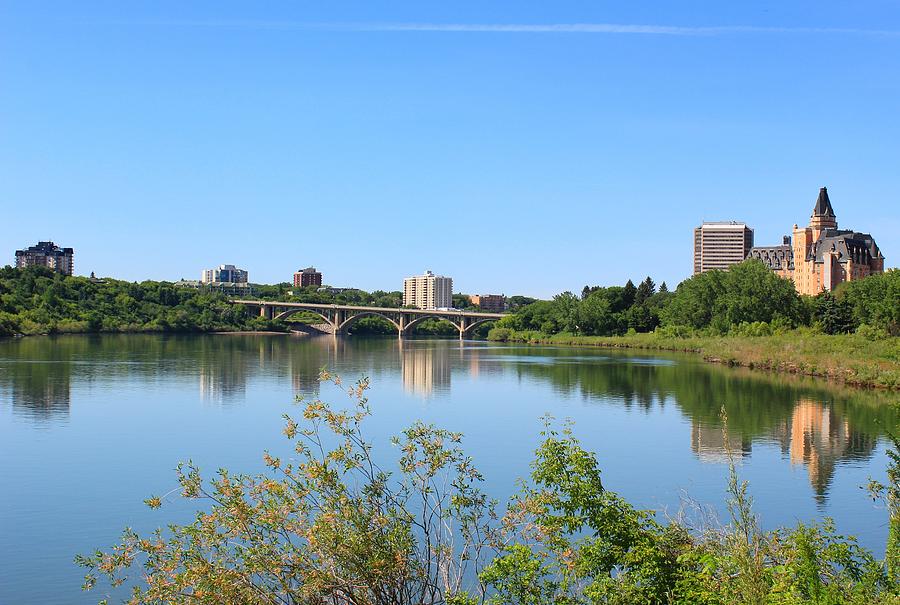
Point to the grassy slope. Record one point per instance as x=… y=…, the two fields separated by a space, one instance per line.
x=849 y=359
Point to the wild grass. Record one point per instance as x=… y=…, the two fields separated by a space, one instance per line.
x=851 y=359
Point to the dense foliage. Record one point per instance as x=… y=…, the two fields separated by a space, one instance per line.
x=874 y=301
x=603 y=311
x=37 y=300
x=746 y=300
x=328 y=525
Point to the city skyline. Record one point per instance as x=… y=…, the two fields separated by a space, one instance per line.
x=491 y=143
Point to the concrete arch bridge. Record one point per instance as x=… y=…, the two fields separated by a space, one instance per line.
x=338 y=319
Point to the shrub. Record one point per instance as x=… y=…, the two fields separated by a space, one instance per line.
x=9 y=324
x=674 y=331
x=751 y=329
x=871 y=332
x=500 y=334
x=328 y=525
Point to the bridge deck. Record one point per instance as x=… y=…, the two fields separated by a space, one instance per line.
x=311 y=306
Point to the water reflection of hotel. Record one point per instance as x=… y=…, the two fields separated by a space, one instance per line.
x=819 y=439
x=815 y=436
x=425 y=369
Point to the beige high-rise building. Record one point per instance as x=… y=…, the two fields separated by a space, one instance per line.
x=428 y=291
x=47 y=254
x=718 y=245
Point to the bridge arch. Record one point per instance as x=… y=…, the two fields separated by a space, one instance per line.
x=479 y=322
x=289 y=312
x=348 y=323
x=410 y=325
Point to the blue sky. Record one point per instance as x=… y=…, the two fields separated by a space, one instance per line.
x=497 y=143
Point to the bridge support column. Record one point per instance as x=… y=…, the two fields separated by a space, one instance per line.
x=463 y=324
x=401 y=331
x=267 y=311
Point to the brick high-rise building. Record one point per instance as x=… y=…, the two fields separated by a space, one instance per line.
x=428 y=291
x=718 y=245
x=307 y=277
x=47 y=254
x=494 y=303
x=821 y=256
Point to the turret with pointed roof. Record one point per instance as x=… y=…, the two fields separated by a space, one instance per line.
x=823 y=214
x=823 y=204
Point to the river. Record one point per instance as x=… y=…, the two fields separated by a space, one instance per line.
x=92 y=425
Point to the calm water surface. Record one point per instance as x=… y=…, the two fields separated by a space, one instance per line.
x=90 y=426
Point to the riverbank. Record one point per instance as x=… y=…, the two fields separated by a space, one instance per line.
x=848 y=359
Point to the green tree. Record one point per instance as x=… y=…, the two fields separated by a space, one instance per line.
x=874 y=301
x=629 y=294
x=595 y=315
x=564 y=316
x=748 y=292
x=645 y=290
x=834 y=315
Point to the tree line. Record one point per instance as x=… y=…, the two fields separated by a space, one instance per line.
x=747 y=300
x=36 y=300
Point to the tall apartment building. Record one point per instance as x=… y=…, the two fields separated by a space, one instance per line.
x=428 y=291
x=47 y=254
x=821 y=256
x=494 y=303
x=307 y=277
x=718 y=245
x=224 y=274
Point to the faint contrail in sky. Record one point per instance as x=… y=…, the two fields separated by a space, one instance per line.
x=526 y=28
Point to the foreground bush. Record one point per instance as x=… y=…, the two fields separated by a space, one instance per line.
x=332 y=527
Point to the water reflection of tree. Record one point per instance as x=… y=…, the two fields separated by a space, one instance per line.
x=40 y=390
x=817 y=426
